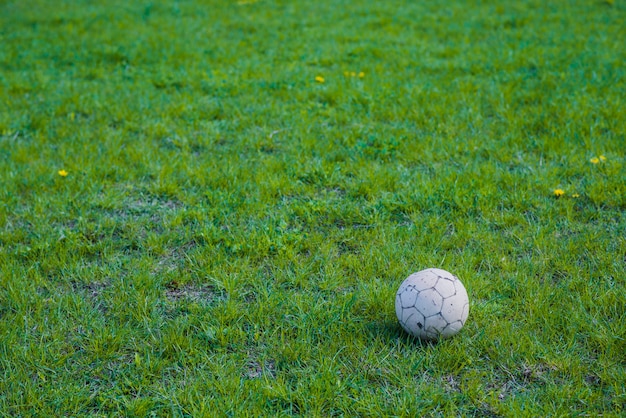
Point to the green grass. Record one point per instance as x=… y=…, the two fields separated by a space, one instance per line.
x=231 y=232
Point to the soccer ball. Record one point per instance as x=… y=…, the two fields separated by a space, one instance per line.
x=432 y=304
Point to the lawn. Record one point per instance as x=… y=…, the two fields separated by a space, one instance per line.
x=207 y=207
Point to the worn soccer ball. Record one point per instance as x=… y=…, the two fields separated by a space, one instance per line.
x=432 y=304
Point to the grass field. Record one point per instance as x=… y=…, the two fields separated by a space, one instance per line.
x=206 y=207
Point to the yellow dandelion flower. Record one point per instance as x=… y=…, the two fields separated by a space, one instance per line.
x=361 y=74
x=352 y=73
x=559 y=192
x=575 y=195
x=319 y=79
x=602 y=158
x=595 y=160
x=62 y=173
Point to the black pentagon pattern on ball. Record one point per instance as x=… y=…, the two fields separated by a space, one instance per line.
x=432 y=321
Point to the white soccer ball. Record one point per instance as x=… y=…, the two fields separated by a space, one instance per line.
x=432 y=304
